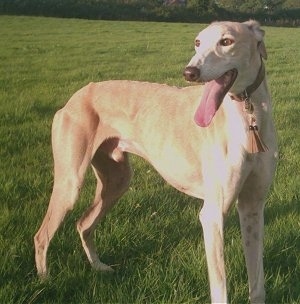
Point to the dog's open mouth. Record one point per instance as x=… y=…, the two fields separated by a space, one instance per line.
x=214 y=93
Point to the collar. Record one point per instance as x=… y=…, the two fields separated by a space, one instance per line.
x=245 y=95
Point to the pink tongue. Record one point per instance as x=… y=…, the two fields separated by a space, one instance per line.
x=214 y=92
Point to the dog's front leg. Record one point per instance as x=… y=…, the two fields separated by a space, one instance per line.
x=211 y=217
x=251 y=216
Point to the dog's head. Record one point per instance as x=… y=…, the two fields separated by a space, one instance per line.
x=227 y=58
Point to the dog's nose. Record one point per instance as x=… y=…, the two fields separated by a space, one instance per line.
x=191 y=73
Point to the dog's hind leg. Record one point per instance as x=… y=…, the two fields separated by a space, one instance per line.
x=113 y=177
x=71 y=155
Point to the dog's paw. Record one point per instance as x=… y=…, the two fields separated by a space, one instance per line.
x=99 y=266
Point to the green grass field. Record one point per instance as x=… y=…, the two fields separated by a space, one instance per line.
x=152 y=236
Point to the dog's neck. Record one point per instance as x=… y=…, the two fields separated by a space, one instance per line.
x=255 y=143
x=246 y=94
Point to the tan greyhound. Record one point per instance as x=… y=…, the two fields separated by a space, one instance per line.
x=197 y=138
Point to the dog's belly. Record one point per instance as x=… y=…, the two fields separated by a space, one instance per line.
x=181 y=171
x=188 y=184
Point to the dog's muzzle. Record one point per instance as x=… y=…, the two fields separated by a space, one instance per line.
x=191 y=73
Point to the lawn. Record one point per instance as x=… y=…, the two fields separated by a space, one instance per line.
x=152 y=236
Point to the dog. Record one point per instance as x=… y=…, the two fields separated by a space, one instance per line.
x=215 y=142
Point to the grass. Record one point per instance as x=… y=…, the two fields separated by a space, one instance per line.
x=153 y=236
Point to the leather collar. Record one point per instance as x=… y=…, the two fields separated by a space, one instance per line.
x=245 y=95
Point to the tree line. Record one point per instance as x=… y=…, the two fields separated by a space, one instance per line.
x=280 y=12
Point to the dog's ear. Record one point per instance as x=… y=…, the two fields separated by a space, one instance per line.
x=262 y=49
x=259 y=34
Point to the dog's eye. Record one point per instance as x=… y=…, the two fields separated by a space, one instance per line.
x=226 y=42
x=197 y=42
